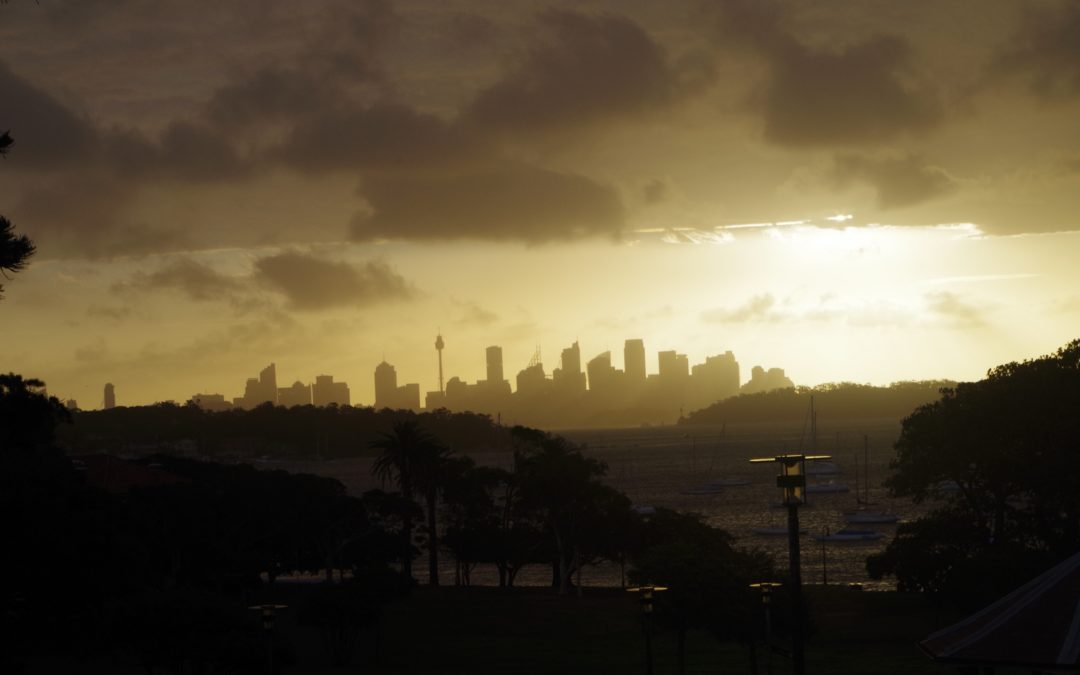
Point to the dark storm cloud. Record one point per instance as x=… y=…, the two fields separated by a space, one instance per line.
x=466 y=30
x=864 y=93
x=1045 y=52
x=329 y=110
x=192 y=278
x=899 y=181
x=271 y=94
x=339 y=60
x=382 y=136
x=81 y=214
x=312 y=283
x=184 y=151
x=507 y=201
x=48 y=133
x=582 y=69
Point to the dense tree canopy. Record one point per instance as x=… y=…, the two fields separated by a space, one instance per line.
x=298 y=432
x=1010 y=445
x=560 y=487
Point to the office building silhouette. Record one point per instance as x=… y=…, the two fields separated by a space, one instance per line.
x=389 y=395
x=298 y=394
x=634 y=361
x=327 y=392
x=259 y=391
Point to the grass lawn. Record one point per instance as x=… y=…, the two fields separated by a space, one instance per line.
x=485 y=630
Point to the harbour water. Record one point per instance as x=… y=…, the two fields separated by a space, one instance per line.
x=659 y=466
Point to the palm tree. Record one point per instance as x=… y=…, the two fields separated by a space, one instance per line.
x=416 y=461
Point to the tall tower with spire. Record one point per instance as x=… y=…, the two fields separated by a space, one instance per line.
x=439 y=344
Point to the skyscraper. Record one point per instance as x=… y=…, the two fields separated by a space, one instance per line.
x=602 y=377
x=634 y=360
x=439 y=344
x=385 y=386
x=570 y=377
x=571 y=360
x=494 y=365
x=299 y=394
x=260 y=391
x=673 y=366
x=327 y=392
x=110 y=397
x=268 y=383
x=716 y=379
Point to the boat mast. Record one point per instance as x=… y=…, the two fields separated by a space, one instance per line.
x=858 y=497
x=866 y=466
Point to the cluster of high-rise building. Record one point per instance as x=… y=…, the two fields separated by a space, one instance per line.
x=575 y=394
x=597 y=393
x=263 y=389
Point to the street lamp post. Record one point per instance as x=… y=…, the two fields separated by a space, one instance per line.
x=646 y=619
x=268 y=613
x=766 y=588
x=792 y=480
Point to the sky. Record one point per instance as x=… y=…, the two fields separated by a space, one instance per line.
x=851 y=190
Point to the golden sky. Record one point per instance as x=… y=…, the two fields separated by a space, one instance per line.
x=861 y=190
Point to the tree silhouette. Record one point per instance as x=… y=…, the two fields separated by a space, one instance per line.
x=562 y=488
x=417 y=462
x=1009 y=444
x=28 y=417
x=15 y=249
x=708 y=579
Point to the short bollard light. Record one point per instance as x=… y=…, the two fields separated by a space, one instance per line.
x=647 y=596
x=766 y=588
x=268 y=614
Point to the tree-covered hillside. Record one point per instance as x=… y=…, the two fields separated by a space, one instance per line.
x=843 y=401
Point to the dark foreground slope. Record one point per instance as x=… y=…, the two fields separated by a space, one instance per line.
x=484 y=630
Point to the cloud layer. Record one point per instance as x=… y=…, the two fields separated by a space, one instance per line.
x=312 y=283
x=516 y=125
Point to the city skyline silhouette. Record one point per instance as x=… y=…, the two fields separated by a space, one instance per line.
x=534 y=395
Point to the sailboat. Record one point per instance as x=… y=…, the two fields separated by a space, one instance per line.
x=821 y=487
x=849 y=534
x=823 y=468
x=864 y=516
x=773 y=531
x=717 y=485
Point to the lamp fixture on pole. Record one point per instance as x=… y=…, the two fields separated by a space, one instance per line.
x=792 y=480
x=766 y=588
x=647 y=593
